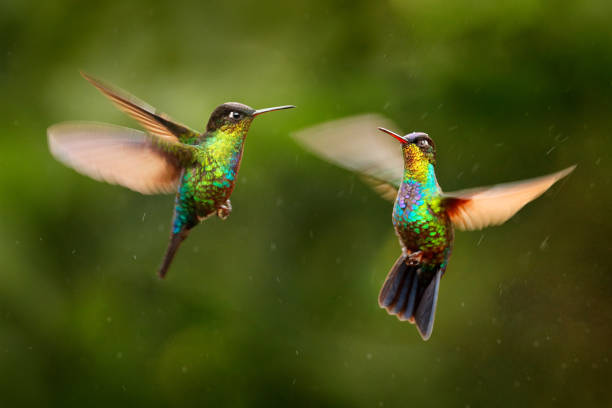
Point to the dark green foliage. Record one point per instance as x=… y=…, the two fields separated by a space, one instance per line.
x=277 y=306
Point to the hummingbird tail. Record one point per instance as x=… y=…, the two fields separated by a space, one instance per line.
x=175 y=242
x=410 y=292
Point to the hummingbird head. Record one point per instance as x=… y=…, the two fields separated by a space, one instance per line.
x=233 y=116
x=416 y=146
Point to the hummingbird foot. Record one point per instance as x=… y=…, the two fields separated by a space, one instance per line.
x=414 y=258
x=224 y=210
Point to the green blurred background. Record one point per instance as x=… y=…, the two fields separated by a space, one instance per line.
x=277 y=306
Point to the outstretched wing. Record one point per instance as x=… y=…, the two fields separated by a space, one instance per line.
x=481 y=207
x=356 y=144
x=154 y=122
x=144 y=163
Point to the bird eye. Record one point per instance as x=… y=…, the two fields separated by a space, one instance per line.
x=422 y=143
x=235 y=115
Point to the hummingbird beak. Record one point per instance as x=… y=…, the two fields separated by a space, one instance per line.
x=260 y=111
x=395 y=135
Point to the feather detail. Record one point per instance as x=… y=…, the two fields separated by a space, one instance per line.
x=154 y=122
x=477 y=208
x=131 y=158
x=355 y=144
x=386 y=190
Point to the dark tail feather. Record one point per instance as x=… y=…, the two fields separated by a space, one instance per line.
x=427 y=307
x=175 y=242
x=411 y=294
x=398 y=292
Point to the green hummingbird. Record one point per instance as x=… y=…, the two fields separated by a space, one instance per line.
x=424 y=217
x=201 y=168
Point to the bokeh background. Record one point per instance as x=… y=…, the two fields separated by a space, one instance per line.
x=277 y=306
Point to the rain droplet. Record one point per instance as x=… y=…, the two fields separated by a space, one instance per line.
x=544 y=244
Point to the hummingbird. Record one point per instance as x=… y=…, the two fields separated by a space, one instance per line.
x=424 y=217
x=200 y=168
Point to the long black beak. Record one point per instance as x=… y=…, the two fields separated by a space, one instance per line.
x=260 y=111
x=395 y=135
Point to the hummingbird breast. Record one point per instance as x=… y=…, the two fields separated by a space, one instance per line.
x=421 y=222
x=207 y=185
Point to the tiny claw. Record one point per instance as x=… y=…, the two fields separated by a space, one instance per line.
x=414 y=258
x=224 y=210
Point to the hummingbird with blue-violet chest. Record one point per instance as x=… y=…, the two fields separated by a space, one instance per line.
x=424 y=217
x=200 y=168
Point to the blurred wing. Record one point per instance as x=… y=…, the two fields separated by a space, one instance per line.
x=355 y=143
x=154 y=122
x=481 y=207
x=386 y=190
x=131 y=158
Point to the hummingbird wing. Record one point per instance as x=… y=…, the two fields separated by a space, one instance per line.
x=356 y=144
x=141 y=162
x=386 y=190
x=477 y=208
x=154 y=122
